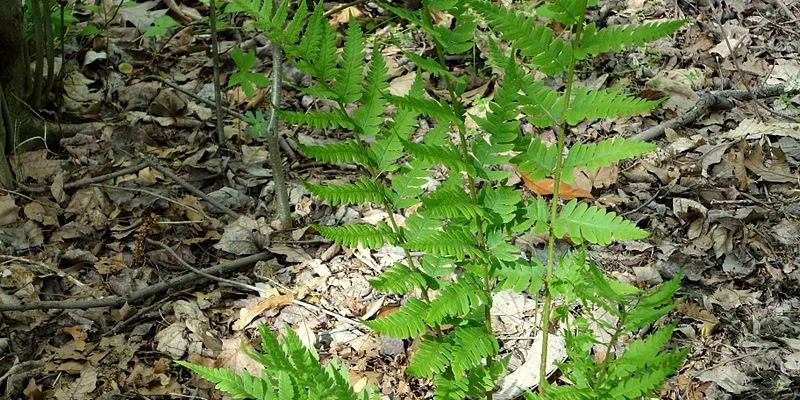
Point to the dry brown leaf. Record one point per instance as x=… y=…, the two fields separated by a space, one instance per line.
x=544 y=187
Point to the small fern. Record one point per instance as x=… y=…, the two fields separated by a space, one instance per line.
x=291 y=372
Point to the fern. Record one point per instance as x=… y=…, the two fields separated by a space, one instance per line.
x=359 y=192
x=347 y=85
x=596 y=41
x=581 y=222
x=455 y=300
x=399 y=279
x=359 y=235
x=291 y=372
x=406 y=322
x=459 y=238
x=345 y=152
x=592 y=104
x=604 y=153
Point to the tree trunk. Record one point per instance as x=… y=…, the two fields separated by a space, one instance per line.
x=12 y=81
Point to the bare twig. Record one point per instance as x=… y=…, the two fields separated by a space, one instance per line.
x=89 y=181
x=54 y=270
x=166 y=171
x=287 y=149
x=788 y=12
x=251 y=287
x=155 y=289
x=212 y=6
x=717 y=99
x=344 y=6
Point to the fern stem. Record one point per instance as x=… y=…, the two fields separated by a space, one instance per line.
x=561 y=134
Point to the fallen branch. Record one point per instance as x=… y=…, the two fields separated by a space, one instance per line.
x=155 y=289
x=87 y=181
x=717 y=99
x=186 y=185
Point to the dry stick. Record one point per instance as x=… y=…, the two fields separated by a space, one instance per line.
x=58 y=272
x=188 y=186
x=717 y=99
x=212 y=6
x=288 y=150
x=89 y=181
x=735 y=61
x=788 y=12
x=155 y=289
x=341 y=7
x=250 y=287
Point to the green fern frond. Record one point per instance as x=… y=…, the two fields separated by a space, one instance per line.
x=501 y=203
x=482 y=378
x=643 y=367
x=567 y=12
x=430 y=65
x=520 y=277
x=461 y=37
x=317 y=52
x=538 y=160
x=387 y=149
x=347 y=84
x=407 y=187
x=604 y=153
x=243 y=386
x=541 y=104
x=319 y=120
x=449 y=387
x=589 y=105
x=291 y=34
x=431 y=358
x=447 y=155
x=346 y=152
x=653 y=304
x=453 y=241
x=406 y=322
x=471 y=345
x=355 y=235
x=581 y=222
x=456 y=300
x=542 y=48
x=361 y=191
x=537 y=216
x=428 y=107
x=596 y=41
x=368 y=116
x=399 y=279
x=450 y=202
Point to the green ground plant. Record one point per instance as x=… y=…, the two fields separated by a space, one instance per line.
x=466 y=227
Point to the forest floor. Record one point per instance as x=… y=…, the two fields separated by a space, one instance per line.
x=721 y=198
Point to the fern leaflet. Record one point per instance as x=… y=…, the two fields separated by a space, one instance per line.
x=432 y=357
x=347 y=84
x=453 y=241
x=456 y=300
x=404 y=323
x=471 y=345
x=611 y=38
x=319 y=120
x=356 y=235
x=361 y=191
x=604 y=153
x=345 y=152
x=399 y=279
x=581 y=222
x=589 y=104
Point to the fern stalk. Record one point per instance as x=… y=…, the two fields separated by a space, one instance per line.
x=561 y=135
